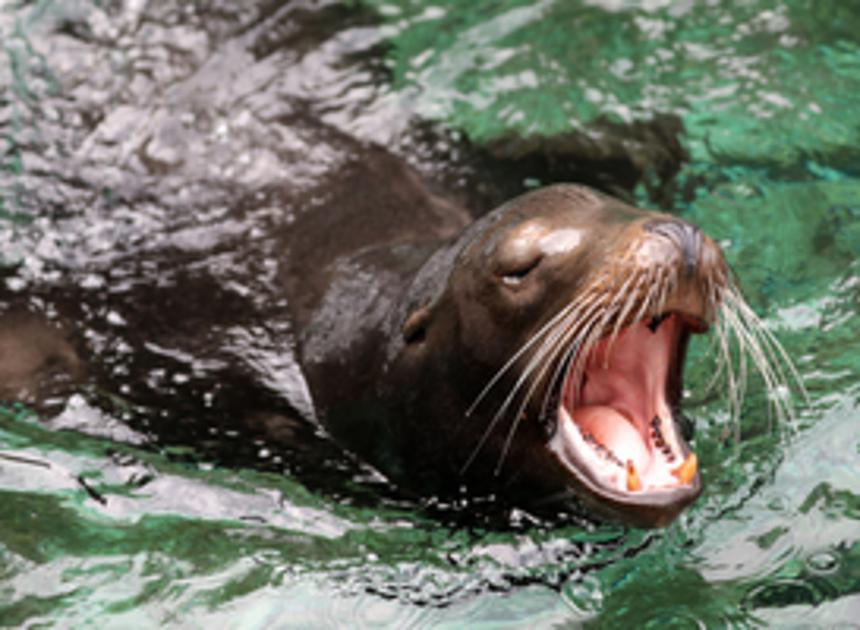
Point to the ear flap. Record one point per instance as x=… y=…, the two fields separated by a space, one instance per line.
x=415 y=327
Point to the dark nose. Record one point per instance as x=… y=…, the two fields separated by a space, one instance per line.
x=686 y=237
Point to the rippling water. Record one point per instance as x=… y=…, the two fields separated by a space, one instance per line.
x=143 y=148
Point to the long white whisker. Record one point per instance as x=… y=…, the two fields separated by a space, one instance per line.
x=594 y=334
x=734 y=402
x=628 y=306
x=546 y=364
x=770 y=340
x=765 y=359
x=749 y=343
x=715 y=306
x=523 y=349
x=571 y=343
x=545 y=347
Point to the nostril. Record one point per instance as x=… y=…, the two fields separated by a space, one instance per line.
x=687 y=237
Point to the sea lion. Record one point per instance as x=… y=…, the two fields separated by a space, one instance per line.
x=536 y=354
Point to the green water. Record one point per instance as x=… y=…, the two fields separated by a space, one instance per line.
x=98 y=532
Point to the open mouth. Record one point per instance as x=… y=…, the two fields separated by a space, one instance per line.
x=616 y=430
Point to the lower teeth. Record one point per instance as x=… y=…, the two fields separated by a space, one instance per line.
x=601 y=449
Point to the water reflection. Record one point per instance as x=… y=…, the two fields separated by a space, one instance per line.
x=155 y=154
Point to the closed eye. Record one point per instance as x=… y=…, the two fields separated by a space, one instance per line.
x=515 y=275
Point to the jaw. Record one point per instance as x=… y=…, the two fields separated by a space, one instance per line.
x=616 y=435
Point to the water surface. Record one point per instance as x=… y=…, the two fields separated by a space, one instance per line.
x=143 y=147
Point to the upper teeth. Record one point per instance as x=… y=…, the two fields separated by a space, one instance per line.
x=659 y=441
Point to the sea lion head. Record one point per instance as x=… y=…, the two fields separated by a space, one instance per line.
x=548 y=361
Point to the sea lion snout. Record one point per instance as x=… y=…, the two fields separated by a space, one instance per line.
x=685 y=236
x=692 y=261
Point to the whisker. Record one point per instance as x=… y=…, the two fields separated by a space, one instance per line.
x=570 y=344
x=748 y=345
x=725 y=352
x=547 y=362
x=523 y=349
x=770 y=340
x=591 y=340
x=714 y=306
x=569 y=312
x=762 y=348
x=668 y=280
x=646 y=303
x=628 y=306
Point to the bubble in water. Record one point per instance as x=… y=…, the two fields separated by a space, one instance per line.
x=783 y=592
x=822 y=562
x=584 y=596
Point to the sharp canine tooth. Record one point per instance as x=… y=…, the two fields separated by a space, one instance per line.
x=633 y=482
x=686 y=471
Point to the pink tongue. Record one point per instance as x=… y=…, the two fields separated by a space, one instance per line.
x=613 y=430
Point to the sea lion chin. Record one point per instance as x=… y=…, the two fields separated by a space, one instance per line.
x=536 y=356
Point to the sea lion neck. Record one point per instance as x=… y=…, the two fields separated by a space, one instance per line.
x=349 y=228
